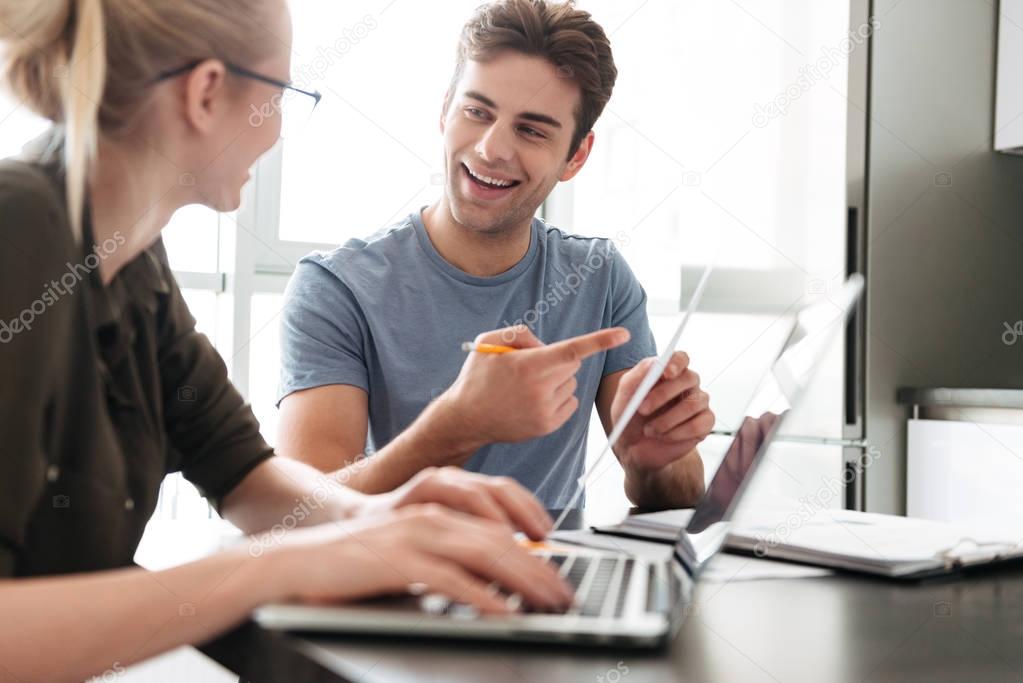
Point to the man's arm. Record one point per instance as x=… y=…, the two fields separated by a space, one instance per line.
x=507 y=397
x=326 y=428
x=664 y=469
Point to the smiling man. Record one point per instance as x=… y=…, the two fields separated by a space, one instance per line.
x=372 y=331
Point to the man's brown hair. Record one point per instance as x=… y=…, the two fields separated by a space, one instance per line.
x=566 y=37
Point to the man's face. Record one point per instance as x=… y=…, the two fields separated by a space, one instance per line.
x=507 y=131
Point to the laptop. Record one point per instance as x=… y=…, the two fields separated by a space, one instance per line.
x=622 y=599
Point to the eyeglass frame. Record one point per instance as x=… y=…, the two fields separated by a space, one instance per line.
x=244 y=73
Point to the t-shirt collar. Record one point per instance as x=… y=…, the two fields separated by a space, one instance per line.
x=457 y=273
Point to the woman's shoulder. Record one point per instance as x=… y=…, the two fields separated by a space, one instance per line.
x=34 y=214
x=27 y=179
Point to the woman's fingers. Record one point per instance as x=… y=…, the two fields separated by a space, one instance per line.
x=501 y=499
x=492 y=553
x=460 y=493
x=429 y=546
x=522 y=506
x=437 y=575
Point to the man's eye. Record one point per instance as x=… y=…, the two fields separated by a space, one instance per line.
x=531 y=132
x=475 y=113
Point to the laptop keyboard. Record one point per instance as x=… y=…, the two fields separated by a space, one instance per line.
x=600 y=583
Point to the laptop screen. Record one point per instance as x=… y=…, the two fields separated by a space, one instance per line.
x=812 y=331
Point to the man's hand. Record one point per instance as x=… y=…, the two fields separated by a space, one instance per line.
x=499 y=499
x=672 y=420
x=524 y=394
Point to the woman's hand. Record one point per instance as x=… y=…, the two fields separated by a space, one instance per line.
x=499 y=499
x=417 y=549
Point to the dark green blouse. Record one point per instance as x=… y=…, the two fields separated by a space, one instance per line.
x=103 y=390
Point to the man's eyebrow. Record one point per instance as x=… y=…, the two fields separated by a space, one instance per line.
x=481 y=97
x=540 y=118
x=528 y=116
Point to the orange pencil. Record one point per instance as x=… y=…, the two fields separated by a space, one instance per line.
x=487 y=348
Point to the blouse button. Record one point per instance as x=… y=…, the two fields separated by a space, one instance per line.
x=52 y=473
x=129 y=504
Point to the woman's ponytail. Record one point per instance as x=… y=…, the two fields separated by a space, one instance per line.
x=54 y=62
x=82 y=94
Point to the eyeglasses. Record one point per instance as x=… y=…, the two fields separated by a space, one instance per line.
x=295 y=104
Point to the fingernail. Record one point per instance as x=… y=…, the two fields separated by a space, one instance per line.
x=672 y=371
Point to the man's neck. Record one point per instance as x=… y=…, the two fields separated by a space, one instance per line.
x=478 y=254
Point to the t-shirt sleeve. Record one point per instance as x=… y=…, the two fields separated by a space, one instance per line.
x=324 y=335
x=35 y=325
x=208 y=422
x=628 y=310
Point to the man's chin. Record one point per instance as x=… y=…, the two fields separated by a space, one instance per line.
x=481 y=222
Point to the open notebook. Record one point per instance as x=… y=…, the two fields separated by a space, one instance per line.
x=883 y=545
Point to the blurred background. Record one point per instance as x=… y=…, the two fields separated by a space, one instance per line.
x=777 y=134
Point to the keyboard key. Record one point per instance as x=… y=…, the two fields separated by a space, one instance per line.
x=557 y=560
x=599 y=588
x=624 y=587
x=577 y=571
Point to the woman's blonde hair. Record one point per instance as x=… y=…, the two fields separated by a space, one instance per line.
x=86 y=64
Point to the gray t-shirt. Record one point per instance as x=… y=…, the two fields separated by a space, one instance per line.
x=388 y=315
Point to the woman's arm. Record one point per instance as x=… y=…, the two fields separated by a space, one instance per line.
x=71 y=628
x=281 y=494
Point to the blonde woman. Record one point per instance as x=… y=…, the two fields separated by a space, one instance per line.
x=105 y=386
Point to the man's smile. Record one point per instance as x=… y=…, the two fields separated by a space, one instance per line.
x=487 y=185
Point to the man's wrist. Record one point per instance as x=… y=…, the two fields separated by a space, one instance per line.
x=669 y=486
x=446 y=434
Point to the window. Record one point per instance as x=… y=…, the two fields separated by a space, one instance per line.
x=18 y=124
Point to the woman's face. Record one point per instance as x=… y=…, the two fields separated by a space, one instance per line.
x=247 y=124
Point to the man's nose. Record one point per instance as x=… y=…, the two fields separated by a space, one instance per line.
x=496 y=144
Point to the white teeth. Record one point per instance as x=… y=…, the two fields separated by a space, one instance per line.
x=489 y=180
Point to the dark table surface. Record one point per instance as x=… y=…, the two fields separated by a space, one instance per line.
x=838 y=627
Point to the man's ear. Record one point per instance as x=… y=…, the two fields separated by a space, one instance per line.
x=204 y=85
x=575 y=164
